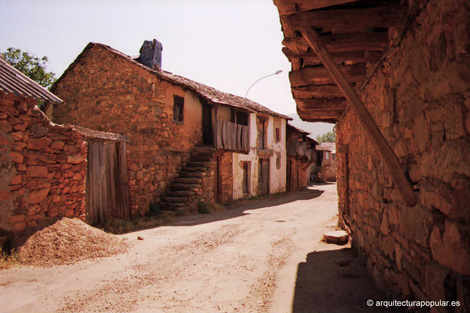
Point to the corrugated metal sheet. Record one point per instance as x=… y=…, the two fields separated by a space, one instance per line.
x=13 y=81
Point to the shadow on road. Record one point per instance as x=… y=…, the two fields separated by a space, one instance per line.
x=240 y=207
x=335 y=281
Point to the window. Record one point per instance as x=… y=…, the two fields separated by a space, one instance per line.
x=178 y=109
x=278 y=134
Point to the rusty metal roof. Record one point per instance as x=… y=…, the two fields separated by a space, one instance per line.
x=13 y=81
x=209 y=93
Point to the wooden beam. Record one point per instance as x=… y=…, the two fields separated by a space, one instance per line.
x=322 y=91
x=290 y=7
x=378 y=140
x=321 y=76
x=311 y=58
x=335 y=104
x=342 y=43
x=319 y=116
x=360 y=17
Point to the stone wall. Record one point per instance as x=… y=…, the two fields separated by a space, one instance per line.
x=226 y=174
x=108 y=92
x=420 y=99
x=42 y=169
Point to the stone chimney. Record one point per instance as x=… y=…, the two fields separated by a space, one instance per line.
x=151 y=54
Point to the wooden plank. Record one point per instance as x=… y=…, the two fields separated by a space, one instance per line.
x=322 y=91
x=290 y=7
x=358 y=17
x=335 y=104
x=342 y=43
x=366 y=120
x=311 y=58
x=319 y=116
x=321 y=76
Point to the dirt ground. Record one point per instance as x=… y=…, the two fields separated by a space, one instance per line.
x=257 y=256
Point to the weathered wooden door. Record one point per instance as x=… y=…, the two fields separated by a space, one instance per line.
x=107 y=192
x=263 y=178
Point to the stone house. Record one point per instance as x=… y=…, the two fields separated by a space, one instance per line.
x=301 y=155
x=188 y=142
x=394 y=77
x=326 y=161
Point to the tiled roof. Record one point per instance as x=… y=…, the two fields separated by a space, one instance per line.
x=327 y=146
x=13 y=81
x=211 y=94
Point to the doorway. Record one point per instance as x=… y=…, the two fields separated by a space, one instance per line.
x=263 y=178
x=107 y=192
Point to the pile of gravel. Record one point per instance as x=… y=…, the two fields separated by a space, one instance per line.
x=68 y=241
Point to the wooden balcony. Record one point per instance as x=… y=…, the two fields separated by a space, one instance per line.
x=232 y=137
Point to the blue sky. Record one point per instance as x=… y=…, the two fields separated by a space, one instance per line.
x=226 y=44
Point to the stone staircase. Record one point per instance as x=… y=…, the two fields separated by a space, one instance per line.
x=187 y=189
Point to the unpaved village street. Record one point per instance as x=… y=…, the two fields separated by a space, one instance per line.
x=257 y=256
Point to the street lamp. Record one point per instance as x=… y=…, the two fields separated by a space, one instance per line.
x=276 y=73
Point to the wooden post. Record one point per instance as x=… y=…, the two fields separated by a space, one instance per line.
x=378 y=140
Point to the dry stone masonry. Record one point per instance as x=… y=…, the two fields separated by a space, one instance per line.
x=42 y=169
x=420 y=99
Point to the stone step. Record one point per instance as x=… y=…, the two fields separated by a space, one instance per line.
x=191 y=187
x=188 y=180
x=182 y=193
x=192 y=174
x=176 y=205
x=339 y=237
x=176 y=199
x=199 y=164
x=194 y=169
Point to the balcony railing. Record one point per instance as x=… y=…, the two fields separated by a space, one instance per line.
x=296 y=148
x=231 y=136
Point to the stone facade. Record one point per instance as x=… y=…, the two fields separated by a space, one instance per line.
x=107 y=92
x=42 y=169
x=420 y=99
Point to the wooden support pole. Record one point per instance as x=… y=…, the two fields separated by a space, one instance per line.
x=378 y=140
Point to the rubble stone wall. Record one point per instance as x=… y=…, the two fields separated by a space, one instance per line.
x=42 y=168
x=420 y=99
x=106 y=92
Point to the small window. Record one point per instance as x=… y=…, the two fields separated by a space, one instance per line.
x=178 y=109
x=278 y=134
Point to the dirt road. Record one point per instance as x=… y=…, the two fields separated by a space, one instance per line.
x=258 y=256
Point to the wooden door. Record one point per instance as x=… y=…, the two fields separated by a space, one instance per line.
x=263 y=178
x=106 y=185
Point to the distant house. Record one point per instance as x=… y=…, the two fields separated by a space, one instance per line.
x=301 y=155
x=326 y=159
x=188 y=142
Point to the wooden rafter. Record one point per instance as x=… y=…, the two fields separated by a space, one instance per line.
x=364 y=17
x=378 y=140
x=321 y=91
x=335 y=104
x=289 y=7
x=342 y=43
x=321 y=76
